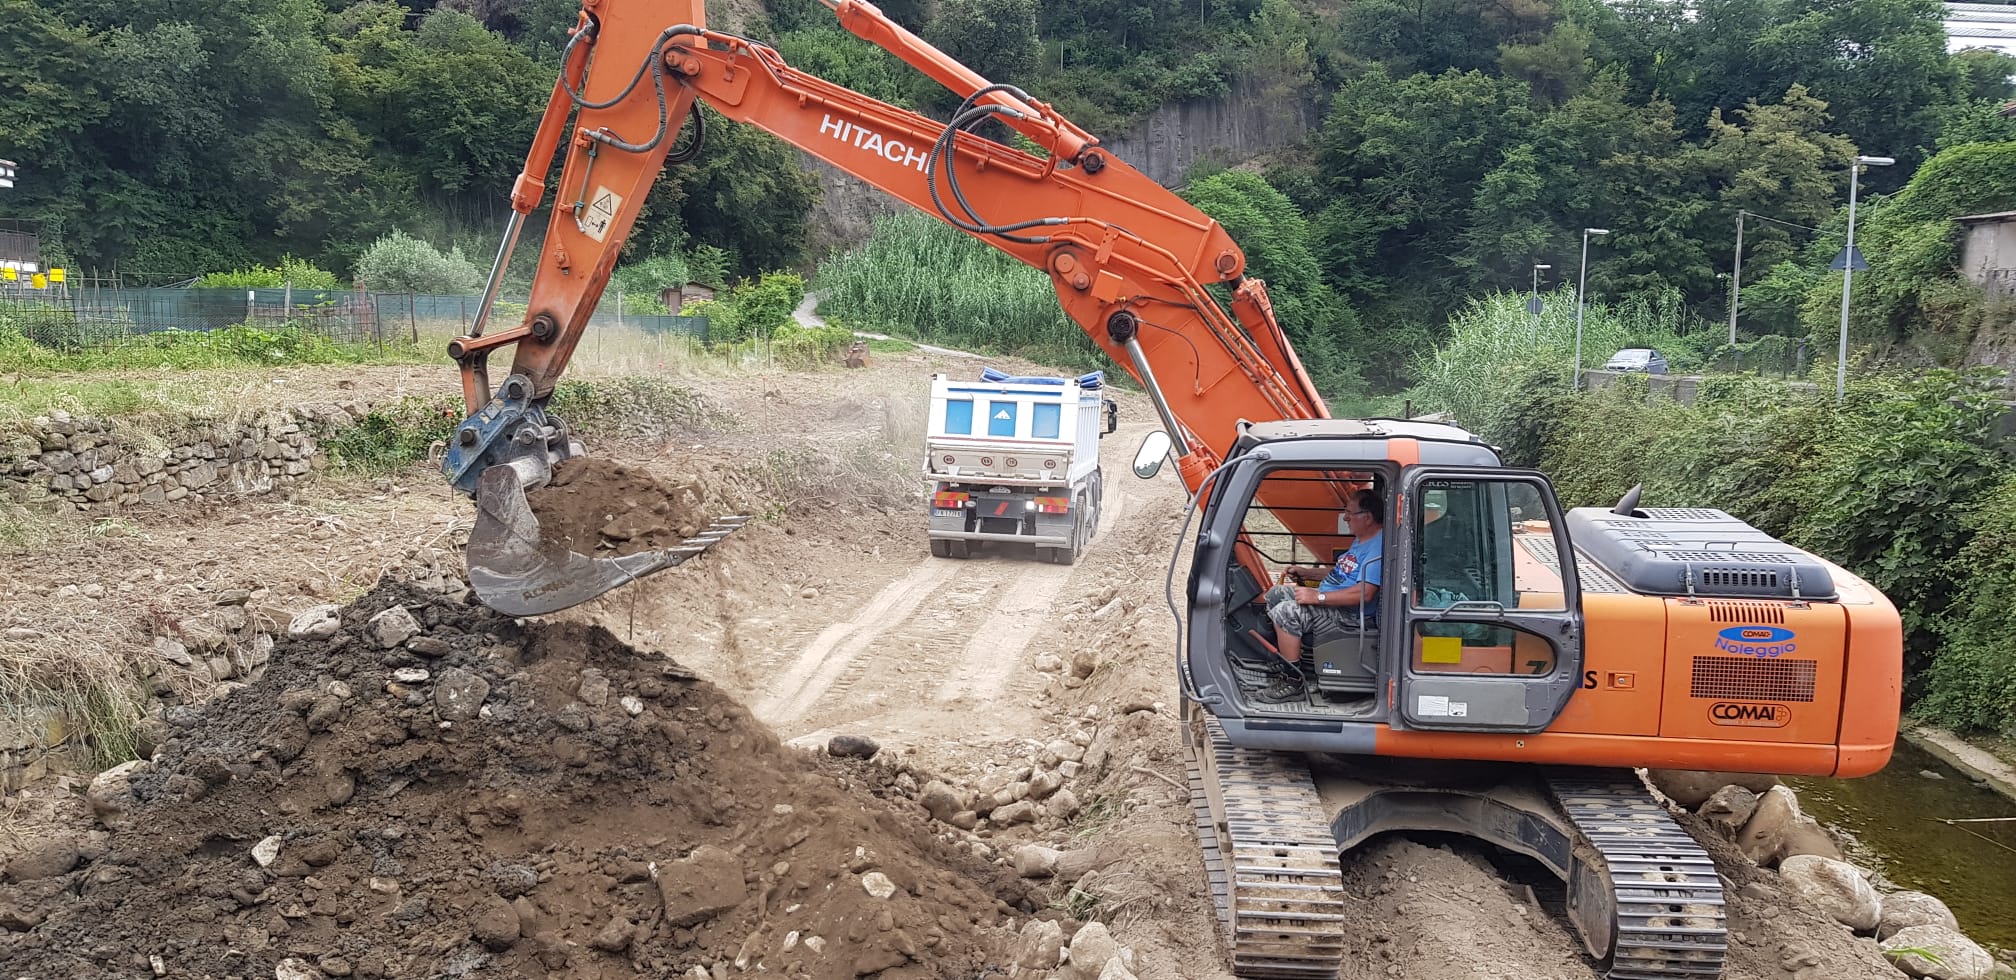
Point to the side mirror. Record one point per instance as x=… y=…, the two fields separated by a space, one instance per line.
x=1148 y=459
x=1112 y=416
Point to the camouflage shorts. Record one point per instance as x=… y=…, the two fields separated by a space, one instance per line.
x=1325 y=622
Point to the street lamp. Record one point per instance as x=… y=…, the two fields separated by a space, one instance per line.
x=1736 y=281
x=1533 y=298
x=1581 y=285
x=1847 y=262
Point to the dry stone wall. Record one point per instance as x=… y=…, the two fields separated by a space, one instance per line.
x=100 y=464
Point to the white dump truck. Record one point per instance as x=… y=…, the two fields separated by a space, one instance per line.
x=1016 y=459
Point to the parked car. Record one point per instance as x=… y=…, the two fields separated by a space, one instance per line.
x=1637 y=359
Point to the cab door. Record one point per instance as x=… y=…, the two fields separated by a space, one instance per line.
x=1491 y=627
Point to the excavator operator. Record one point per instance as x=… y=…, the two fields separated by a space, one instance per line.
x=1344 y=602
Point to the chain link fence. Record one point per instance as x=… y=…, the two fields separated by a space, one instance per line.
x=88 y=314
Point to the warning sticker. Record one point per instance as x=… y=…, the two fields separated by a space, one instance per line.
x=1441 y=649
x=600 y=213
x=1432 y=706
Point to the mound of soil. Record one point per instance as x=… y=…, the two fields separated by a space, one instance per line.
x=456 y=795
x=601 y=508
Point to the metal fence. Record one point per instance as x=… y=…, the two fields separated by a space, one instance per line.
x=72 y=317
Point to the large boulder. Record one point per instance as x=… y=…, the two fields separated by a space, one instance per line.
x=1834 y=887
x=1041 y=945
x=701 y=885
x=45 y=857
x=1035 y=861
x=941 y=800
x=1090 y=949
x=1692 y=787
x=1902 y=910
x=1777 y=830
x=1960 y=958
x=1728 y=809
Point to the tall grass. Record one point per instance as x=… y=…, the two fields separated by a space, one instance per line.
x=1494 y=343
x=919 y=279
x=398 y=434
x=47 y=350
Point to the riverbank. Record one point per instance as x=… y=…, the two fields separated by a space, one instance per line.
x=1969 y=758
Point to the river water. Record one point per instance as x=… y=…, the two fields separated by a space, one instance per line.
x=1893 y=820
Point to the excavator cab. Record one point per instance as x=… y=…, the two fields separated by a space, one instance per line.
x=1476 y=626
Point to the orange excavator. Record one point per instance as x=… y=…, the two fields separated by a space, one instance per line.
x=1516 y=661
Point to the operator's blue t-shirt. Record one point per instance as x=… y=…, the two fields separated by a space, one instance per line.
x=1359 y=563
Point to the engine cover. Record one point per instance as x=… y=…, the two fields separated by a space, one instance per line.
x=1696 y=551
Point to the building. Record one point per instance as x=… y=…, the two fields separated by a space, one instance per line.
x=677 y=298
x=1988 y=257
x=1981 y=25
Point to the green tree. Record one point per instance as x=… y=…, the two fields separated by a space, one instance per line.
x=996 y=38
x=400 y=263
x=1276 y=240
x=1881 y=65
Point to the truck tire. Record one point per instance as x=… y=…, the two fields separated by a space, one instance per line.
x=1068 y=555
x=958 y=549
x=1098 y=502
x=939 y=549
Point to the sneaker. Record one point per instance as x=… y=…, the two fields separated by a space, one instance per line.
x=1283 y=689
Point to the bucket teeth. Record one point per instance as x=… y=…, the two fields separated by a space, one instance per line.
x=516 y=573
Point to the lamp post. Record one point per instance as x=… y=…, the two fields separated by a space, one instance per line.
x=1847 y=261
x=1533 y=298
x=1581 y=286
x=1736 y=280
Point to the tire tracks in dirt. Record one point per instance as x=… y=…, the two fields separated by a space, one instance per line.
x=877 y=672
x=821 y=662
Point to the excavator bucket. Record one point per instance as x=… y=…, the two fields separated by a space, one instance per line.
x=516 y=573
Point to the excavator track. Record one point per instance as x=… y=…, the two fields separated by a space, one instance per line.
x=1664 y=916
x=1270 y=858
x=1641 y=893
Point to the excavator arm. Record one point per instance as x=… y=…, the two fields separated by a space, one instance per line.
x=1129 y=259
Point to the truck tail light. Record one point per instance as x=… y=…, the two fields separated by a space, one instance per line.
x=949 y=499
x=1053 y=505
x=1049 y=464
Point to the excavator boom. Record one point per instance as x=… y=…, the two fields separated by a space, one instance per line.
x=1130 y=260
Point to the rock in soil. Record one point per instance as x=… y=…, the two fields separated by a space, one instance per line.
x=1902 y=910
x=1729 y=808
x=409 y=871
x=1960 y=958
x=1835 y=888
x=852 y=746
x=1777 y=830
x=1690 y=788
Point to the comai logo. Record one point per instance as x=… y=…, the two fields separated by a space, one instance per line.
x=892 y=150
x=1756 y=641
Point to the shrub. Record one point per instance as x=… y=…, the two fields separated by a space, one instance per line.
x=802 y=347
x=1971 y=684
x=395 y=435
x=300 y=273
x=400 y=263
